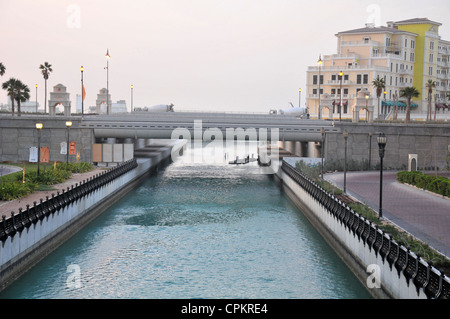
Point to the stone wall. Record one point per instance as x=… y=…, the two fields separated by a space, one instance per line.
x=18 y=135
x=429 y=142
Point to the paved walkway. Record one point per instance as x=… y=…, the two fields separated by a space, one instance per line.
x=7 y=206
x=425 y=215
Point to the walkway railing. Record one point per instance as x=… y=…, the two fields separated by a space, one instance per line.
x=416 y=271
x=16 y=223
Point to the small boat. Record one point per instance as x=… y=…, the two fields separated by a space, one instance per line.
x=245 y=160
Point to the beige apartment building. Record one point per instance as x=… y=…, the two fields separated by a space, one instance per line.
x=403 y=54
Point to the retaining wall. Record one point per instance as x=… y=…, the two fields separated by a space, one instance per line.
x=386 y=268
x=31 y=234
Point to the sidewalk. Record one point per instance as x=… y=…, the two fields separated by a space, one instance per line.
x=7 y=206
x=422 y=214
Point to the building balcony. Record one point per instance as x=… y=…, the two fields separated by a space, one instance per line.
x=405 y=72
x=338 y=82
x=347 y=68
x=444 y=52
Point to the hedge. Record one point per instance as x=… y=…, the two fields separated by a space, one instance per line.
x=14 y=188
x=436 y=184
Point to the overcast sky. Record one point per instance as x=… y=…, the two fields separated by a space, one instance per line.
x=218 y=55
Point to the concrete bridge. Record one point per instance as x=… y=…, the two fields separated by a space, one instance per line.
x=205 y=126
x=430 y=142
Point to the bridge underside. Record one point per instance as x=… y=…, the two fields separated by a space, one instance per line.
x=208 y=126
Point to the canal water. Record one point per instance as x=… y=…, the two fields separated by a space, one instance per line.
x=196 y=229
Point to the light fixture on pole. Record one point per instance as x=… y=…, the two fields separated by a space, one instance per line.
x=82 y=91
x=132 y=87
x=367 y=111
x=319 y=63
x=107 y=80
x=36 y=98
x=345 y=134
x=39 y=127
x=382 y=140
x=68 y=125
x=341 y=74
x=299 y=97
x=322 y=132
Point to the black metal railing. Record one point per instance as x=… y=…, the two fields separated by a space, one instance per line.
x=16 y=223
x=422 y=275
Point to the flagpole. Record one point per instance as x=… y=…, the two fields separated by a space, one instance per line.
x=82 y=91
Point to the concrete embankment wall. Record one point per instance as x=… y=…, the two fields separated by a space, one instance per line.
x=31 y=234
x=386 y=268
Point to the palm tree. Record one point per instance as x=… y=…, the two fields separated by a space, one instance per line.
x=2 y=69
x=379 y=85
x=46 y=69
x=430 y=85
x=10 y=87
x=409 y=93
x=22 y=94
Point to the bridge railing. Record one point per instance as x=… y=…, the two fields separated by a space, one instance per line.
x=417 y=271
x=23 y=219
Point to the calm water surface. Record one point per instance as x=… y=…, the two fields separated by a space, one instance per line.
x=195 y=230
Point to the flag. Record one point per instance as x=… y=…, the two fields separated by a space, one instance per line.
x=84 y=93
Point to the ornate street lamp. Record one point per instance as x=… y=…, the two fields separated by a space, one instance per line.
x=39 y=127
x=68 y=125
x=345 y=134
x=381 y=139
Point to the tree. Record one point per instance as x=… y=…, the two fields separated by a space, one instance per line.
x=409 y=93
x=46 y=69
x=2 y=69
x=22 y=94
x=430 y=85
x=10 y=87
x=379 y=85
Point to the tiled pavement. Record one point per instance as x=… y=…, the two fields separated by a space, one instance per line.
x=425 y=215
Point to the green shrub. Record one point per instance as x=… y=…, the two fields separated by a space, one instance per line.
x=81 y=167
x=14 y=190
x=436 y=184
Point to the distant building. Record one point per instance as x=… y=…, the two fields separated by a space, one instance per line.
x=101 y=101
x=119 y=107
x=59 y=100
x=25 y=107
x=405 y=53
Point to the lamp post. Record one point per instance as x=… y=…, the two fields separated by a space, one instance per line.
x=322 y=131
x=367 y=111
x=345 y=160
x=39 y=128
x=68 y=125
x=370 y=149
x=299 y=97
x=36 y=98
x=341 y=74
x=82 y=91
x=107 y=80
x=381 y=139
x=319 y=63
x=132 y=87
